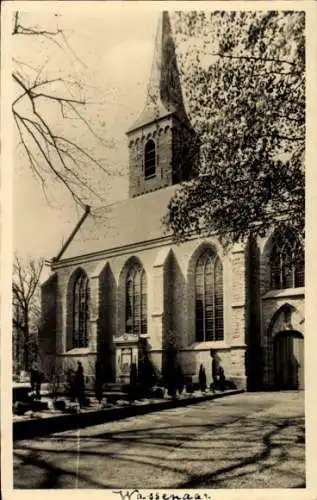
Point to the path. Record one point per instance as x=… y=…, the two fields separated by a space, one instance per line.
x=252 y=440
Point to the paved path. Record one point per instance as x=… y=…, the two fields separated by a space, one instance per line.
x=253 y=440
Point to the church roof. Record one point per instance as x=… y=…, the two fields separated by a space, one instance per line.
x=136 y=220
x=164 y=94
x=128 y=222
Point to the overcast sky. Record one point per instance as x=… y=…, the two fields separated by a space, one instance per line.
x=112 y=55
x=111 y=51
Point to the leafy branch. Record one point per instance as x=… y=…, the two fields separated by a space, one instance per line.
x=246 y=100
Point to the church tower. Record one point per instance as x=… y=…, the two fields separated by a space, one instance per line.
x=161 y=138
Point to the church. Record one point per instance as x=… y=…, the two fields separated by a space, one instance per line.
x=121 y=282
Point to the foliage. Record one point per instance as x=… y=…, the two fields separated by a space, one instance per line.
x=180 y=379
x=147 y=375
x=170 y=374
x=54 y=376
x=202 y=378
x=244 y=79
x=98 y=381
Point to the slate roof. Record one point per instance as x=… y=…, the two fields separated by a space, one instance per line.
x=164 y=93
x=139 y=219
x=131 y=221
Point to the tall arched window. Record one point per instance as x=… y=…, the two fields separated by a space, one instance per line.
x=136 y=300
x=80 y=311
x=209 y=297
x=287 y=262
x=149 y=159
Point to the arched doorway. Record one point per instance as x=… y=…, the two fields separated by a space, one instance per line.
x=289 y=360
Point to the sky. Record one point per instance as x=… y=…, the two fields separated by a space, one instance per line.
x=111 y=53
x=110 y=50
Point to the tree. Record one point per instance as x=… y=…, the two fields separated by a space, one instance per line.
x=46 y=98
x=244 y=79
x=26 y=307
x=170 y=364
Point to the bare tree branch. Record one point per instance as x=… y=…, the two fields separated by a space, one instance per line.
x=25 y=285
x=26 y=277
x=72 y=51
x=59 y=176
x=253 y=58
x=48 y=152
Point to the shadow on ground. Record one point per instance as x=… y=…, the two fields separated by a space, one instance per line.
x=249 y=452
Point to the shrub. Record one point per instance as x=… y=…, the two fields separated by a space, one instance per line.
x=158 y=392
x=189 y=387
x=19 y=407
x=39 y=405
x=202 y=378
x=59 y=404
x=229 y=384
x=180 y=380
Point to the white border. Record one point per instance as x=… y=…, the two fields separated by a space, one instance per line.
x=6 y=235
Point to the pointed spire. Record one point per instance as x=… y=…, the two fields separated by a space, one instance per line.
x=164 y=94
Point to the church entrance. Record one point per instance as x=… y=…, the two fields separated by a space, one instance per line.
x=289 y=360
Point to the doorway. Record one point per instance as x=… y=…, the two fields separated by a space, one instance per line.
x=289 y=360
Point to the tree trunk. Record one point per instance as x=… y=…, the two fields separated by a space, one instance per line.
x=26 y=340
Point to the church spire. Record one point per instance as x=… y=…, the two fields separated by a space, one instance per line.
x=164 y=95
x=160 y=142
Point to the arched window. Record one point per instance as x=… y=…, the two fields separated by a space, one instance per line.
x=136 y=301
x=209 y=297
x=149 y=159
x=287 y=262
x=80 y=311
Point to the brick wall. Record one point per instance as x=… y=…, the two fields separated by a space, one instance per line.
x=183 y=152
x=48 y=330
x=270 y=310
x=174 y=155
x=171 y=305
x=161 y=134
x=254 y=351
x=271 y=301
x=239 y=296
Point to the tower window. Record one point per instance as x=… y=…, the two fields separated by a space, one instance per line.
x=287 y=262
x=149 y=159
x=209 y=298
